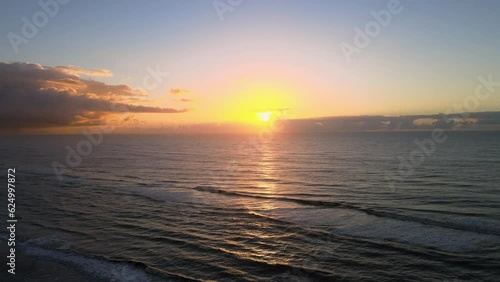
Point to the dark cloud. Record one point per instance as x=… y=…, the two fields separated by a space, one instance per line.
x=34 y=96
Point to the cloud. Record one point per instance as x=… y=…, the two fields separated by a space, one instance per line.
x=35 y=96
x=458 y=121
x=186 y=100
x=178 y=91
x=78 y=71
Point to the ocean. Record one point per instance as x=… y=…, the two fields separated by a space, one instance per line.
x=369 y=206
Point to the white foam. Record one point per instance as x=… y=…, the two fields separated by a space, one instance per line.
x=355 y=223
x=102 y=269
x=51 y=242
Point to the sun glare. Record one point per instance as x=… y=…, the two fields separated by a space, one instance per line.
x=265 y=116
x=258 y=102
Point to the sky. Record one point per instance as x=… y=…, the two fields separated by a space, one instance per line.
x=185 y=63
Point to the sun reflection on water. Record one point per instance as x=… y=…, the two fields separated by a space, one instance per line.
x=266 y=170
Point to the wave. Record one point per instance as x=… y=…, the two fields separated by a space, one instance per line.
x=37 y=172
x=281 y=270
x=96 y=267
x=484 y=229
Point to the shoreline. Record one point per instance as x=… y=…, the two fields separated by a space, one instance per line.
x=31 y=268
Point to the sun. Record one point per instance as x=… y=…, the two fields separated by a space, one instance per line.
x=265 y=116
x=257 y=103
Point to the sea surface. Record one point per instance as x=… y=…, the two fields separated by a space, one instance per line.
x=289 y=207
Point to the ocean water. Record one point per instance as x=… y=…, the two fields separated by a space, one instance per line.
x=297 y=207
